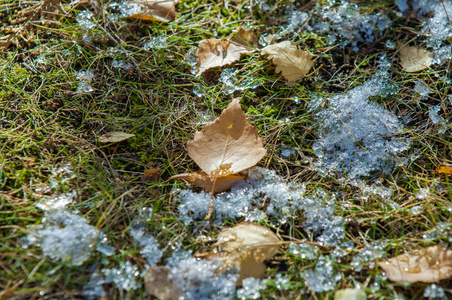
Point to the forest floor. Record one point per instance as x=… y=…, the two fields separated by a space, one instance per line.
x=82 y=217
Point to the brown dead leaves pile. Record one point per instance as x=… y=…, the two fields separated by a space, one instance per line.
x=431 y=264
x=224 y=148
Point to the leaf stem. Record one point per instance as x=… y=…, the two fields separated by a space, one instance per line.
x=211 y=200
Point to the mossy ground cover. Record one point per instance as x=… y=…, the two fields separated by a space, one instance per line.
x=46 y=124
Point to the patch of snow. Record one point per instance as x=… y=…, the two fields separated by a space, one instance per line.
x=124 y=276
x=63 y=236
x=85 y=78
x=356 y=135
x=322 y=277
x=368 y=254
x=84 y=19
x=434 y=291
x=151 y=249
x=421 y=88
x=250 y=288
x=433 y=111
x=157 y=42
x=438 y=27
x=231 y=83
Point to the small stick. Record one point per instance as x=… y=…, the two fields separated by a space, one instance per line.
x=211 y=200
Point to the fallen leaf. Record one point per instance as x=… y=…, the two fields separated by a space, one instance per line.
x=115 y=137
x=202 y=180
x=156 y=10
x=350 y=294
x=228 y=145
x=246 y=246
x=414 y=59
x=246 y=38
x=160 y=285
x=216 y=53
x=426 y=265
x=292 y=62
x=443 y=169
x=150 y=175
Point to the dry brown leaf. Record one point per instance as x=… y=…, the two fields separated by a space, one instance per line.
x=150 y=175
x=158 y=284
x=216 y=53
x=246 y=246
x=246 y=38
x=292 y=62
x=115 y=137
x=156 y=10
x=227 y=146
x=202 y=180
x=426 y=265
x=415 y=59
x=443 y=169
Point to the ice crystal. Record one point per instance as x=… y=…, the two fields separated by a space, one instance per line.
x=283 y=200
x=304 y=251
x=125 y=9
x=437 y=28
x=416 y=210
x=94 y=289
x=232 y=83
x=199 y=278
x=102 y=246
x=434 y=291
x=345 y=24
x=124 y=276
x=433 y=114
x=151 y=250
x=84 y=19
x=250 y=288
x=287 y=152
x=422 y=193
x=121 y=64
x=401 y=5
x=356 y=135
x=322 y=278
x=63 y=236
x=296 y=20
x=421 y=88
x=369 y=253
x=157 y=42
x=57 y=202
x=282 y=282
x=199 y=90
x=85 y=78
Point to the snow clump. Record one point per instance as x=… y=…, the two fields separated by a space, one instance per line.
x=151 y=250
x=357 y=136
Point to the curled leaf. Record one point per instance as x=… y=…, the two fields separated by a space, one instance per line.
x=246 y=246
x=414 y=59
x=151 y=175
x=156 y=10
x=292 y=62
x=228 y=145
x=216 y=53
x=426 y=265
x=115 y=137
x=204 y=181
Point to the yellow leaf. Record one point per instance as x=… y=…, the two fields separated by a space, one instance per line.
x=227 y=146
x=115 y=137
x=414 y=59
x=443 y=169
x=156 y=10
x=292 y=62
x=216 y=53
x=246 y=246
x=431 y=264
x=202 y=180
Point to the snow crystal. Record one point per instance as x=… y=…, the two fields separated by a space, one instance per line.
x=157 y=42
x=94 y=289
x=151 y=250
x=421 y=88
x=102 y=246
x=121 y=64
x=433 y=111
x=85 y=78
x=282 y=282
x=146 y=213
x=199 y=278
x=283 y=200
x=84 y=88
x=322 y=278
x=344 y=23
x=125 y=9
x=287 y=152
x=63 y=236
x=434 y=291
x=124 y=276
x=305 y=251
x=437 y=28
x=232 y=83
x=198 y=90
x=422 y=193
x=84 y=19
x=57 y=202
x=250 y=288
x=401 y=5
x=356 y=134
x=369 y=253
x=416 y=210
x=296 y=20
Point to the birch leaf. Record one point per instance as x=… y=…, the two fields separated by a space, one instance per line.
x=202 y=180
x=216 y=53
x=431 y=264
x=156 y=10
x=414 y=59
x=246 y=246
x=228 y=145
x=115 y=137
x=290 y=61
x=246 y=38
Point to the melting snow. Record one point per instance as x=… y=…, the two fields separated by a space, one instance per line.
x=322 y=277
x=151 y=250
x=84 y=19
x=356 y=135
x=231 y=83
x=157 y=42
